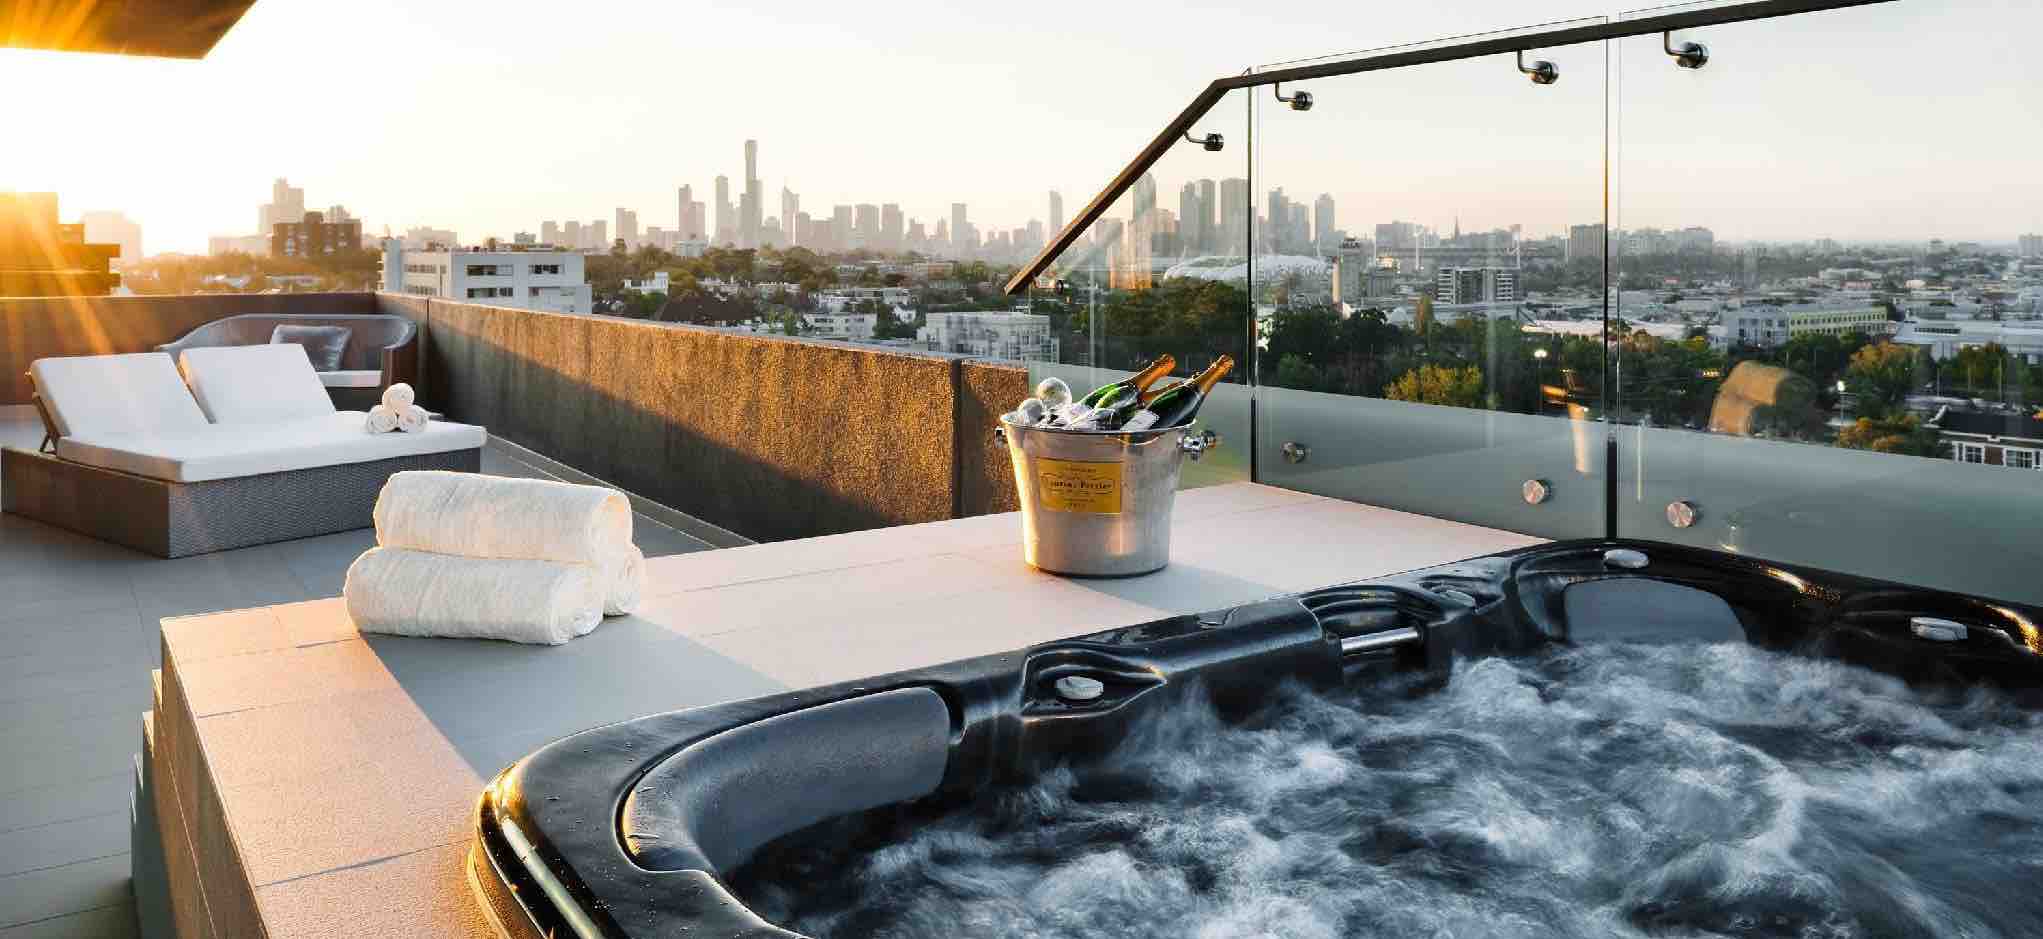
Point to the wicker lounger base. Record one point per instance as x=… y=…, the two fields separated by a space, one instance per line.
x=171 y=519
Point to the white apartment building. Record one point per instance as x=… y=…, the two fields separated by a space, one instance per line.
x=841 y=325
x=843 y=297
x=1767 y=326
x=528 y=280
x=1022 y=337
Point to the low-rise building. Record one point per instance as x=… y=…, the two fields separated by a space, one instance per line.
x=41 y=258
x=2013 y=440
x=315 y=235
x=530 y=280
x=1015 y=336
x=1766 y=325
x=841 y=325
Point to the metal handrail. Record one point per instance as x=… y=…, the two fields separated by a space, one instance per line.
x=1545 y=39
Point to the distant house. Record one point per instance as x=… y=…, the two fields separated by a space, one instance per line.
x=2011 y=440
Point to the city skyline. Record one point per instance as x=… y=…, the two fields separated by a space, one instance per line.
x=1751 y=173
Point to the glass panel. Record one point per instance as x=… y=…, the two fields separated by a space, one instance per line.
x=1428 y=331
x=1835 y=350
x=1151 y=277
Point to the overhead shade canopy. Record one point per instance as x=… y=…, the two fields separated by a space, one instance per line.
x=182 y=29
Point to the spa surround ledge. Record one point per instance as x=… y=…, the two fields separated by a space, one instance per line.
x=312 y=782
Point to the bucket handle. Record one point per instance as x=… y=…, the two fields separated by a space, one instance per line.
x=1196 y=445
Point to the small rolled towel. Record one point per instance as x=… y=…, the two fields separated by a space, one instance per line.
x=627 y=578
x=412 y=419
x=399 y=396
x=382 y=420
x=502 y=517
x=417 y=593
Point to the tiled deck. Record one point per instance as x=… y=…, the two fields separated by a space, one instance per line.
x=78 y=638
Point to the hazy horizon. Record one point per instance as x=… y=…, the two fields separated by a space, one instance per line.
x=1899 y=122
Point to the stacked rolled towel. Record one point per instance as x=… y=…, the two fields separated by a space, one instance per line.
x=416 y=593
x=464 y=519
x=397 y=411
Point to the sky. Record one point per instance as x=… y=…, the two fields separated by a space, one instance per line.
x=1907 y=121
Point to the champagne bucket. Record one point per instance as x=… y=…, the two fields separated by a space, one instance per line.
x=1098 y=503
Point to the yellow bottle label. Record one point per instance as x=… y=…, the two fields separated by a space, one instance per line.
x=1080 y=486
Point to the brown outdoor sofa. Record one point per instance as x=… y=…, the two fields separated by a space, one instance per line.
x=381 y=350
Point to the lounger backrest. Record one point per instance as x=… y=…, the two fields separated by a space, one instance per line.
x=115 y=394
x=255 y=384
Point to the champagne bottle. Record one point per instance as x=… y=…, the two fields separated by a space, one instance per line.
x=1132 y=386
x=1179 y=403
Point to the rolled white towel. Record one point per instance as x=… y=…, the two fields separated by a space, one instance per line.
x=399 y=396
x=418 y=593
x=412 y=419
x=502 y=517
x=381 y=420
x=626 y=577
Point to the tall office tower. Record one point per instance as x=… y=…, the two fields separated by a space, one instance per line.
x=866 y=225
x=693 y=225
x=754 y=211
x=1323 y=222
x=1056 y=211
x=1585 y=242
x=941 y=241
x=1234 y=217
x=840 y=227
x=918 y=238
x=790 y=209
x=1298 y=228
x=287 y=204
x=599 y=236
x=549 y=233
x=1276 y=219
x=1034 y=237
x=627 y=226
x=892 y=231
x=960 y=246
x=726 y=216
x=1209 y=226
x=571 y=235
x=1195 y=218
x=1133 y=271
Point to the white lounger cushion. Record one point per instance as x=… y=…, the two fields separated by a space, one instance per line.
x=255 y=384
x=230 y=451
x=352 y=378
x=115 y=394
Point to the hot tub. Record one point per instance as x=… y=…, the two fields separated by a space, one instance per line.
x=643 y=828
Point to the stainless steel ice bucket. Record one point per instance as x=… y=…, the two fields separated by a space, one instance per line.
x=1098 y=502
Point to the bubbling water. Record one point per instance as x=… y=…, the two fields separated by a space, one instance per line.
x=1609 y=790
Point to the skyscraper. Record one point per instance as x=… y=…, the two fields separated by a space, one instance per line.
x=1209 y=225
x=1134 y=271
x=571 y=235
x=960 y=244
x=726 y=216
x=840 y=227
x=693 y=227
x=892 y=230
x=1323 y=222
x=1056 y=211
x=754 y=198
x=1234 y=217
x=287 y=204
x=790 y=211
x=599 y=237
x=549 y=233
x=627 y=226
x=866 y=226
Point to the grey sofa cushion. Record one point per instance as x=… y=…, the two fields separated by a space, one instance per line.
x=323 y=344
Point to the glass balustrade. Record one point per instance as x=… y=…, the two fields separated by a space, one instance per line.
x=1826 y=338
x=1768 y=283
